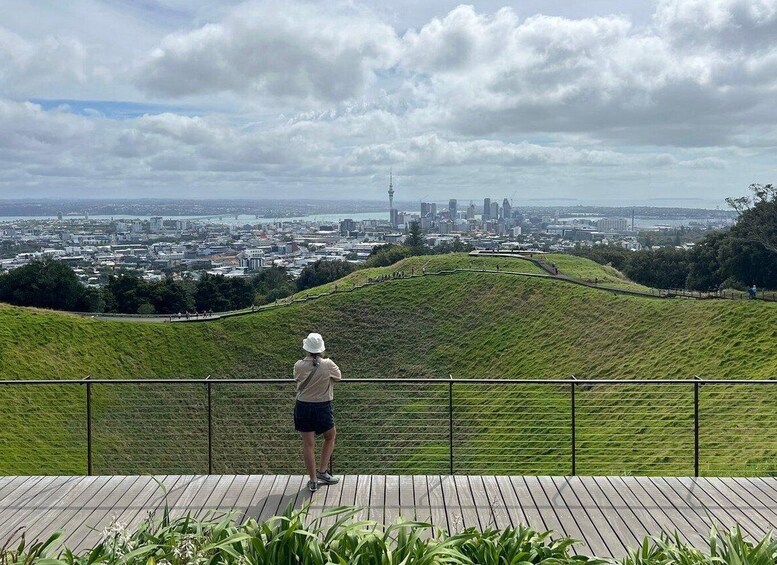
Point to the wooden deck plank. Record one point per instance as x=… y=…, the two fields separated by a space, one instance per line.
x=46 y=513
x=391 y=502
x=681 y=518
x=406 y=497
x=452 y=506
x=512 y=504
x=768 y=485
x=121 y=498
x=145 y=501
x=230 y=502
x=274 y=497
x=20 y=495
x=608 y=513
x=256 y=501
x=713 y=503
x=495 y=514
x=638 y=498
x=423 y=507
x=439 y=517
x=546 y=509
x=566 y=511
x=469 y=511
x=377 y=499
x=649 y=520
x=736 y=498
x=55 y=516
x=532 y=509
x=362 y=500
x=624 y=523
x=27 y=509
x=752 y=495
x=348 y=495
x=80 y=522
x=614 y=541
x=333 y=495
x=10 y=484
x=188 y=494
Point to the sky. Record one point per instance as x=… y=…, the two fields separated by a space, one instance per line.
x=595 y=101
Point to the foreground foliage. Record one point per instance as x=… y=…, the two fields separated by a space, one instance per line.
x=289 y=539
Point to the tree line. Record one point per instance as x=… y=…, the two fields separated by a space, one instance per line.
x=740 y=257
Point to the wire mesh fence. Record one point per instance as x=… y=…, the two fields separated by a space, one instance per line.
x=393 y=426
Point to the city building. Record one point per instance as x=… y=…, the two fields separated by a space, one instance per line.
x=486 y=209
x=452 y=209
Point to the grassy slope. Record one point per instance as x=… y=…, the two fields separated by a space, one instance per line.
x=468 y=325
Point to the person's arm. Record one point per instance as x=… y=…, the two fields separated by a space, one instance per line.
x=334 y=371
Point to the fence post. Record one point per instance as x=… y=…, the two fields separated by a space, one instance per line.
x=574 y=426
x=450 y=420
x=210 y=427
x=88 y=425
x=696 y=426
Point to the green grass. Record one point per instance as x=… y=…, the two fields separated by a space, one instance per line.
x=591 y=271
x=466 y=325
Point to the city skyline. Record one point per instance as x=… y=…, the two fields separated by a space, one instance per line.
x=617 y=102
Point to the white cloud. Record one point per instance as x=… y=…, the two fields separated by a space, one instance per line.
x=298 y=52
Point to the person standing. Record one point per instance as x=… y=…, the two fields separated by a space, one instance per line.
x=315 y=376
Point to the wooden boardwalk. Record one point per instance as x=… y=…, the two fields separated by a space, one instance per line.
x=608 y=514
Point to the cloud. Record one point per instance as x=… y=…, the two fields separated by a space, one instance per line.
x=298 y=52
x=498 y=74
x=27 y=66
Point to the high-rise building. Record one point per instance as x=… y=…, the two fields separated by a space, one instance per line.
x=507 y=210
x=392 y=212
x=156 y=224
x=486 y=209
x=452 y=211
x=471 y=211
x=433 y=209
x=425 y=209
x=494 y=214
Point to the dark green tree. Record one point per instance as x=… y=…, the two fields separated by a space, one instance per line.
x=46 y=284
x=322 y=272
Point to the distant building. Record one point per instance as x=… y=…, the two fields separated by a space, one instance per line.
x=612 y=225
x=494 y=214
x=251 y=259
x=433 y=209
x=452 y=209
x=471 y=211
x=425 y=209
x=486 y=209
x=507 y=210
x=347 y=226
x=156 y=224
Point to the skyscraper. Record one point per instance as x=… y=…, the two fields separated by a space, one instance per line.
x=486 y=209
x=471 y=211
x=494 y=215
x=507 y=210
x=452 y=211
x=425 y=209
x=392 y=212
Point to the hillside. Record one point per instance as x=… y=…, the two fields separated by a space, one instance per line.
x=464 y=324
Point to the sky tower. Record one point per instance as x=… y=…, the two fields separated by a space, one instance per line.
x=392 y=212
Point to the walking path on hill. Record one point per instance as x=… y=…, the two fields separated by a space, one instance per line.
x=607 y=514
x=551 y=272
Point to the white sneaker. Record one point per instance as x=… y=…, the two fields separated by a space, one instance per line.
x=326 y=478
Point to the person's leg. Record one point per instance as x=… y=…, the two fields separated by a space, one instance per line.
x=327 y=448
x=309 y=453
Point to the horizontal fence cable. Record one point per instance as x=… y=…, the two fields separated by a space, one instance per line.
x=710 y=427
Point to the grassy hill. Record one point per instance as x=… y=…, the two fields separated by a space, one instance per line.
x=466 y=324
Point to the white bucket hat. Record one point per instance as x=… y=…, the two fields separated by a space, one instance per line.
x=314 y=343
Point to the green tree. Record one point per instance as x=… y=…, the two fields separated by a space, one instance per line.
x=46 y=284
x=415 y=239
x=322 y=272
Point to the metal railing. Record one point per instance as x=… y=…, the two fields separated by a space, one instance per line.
x=393 y=425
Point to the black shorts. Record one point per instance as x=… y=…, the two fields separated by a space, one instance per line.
x=316 y=417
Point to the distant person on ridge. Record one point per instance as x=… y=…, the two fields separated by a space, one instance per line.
x=313 y=415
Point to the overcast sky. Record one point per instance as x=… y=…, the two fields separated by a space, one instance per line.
x=596 y=100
